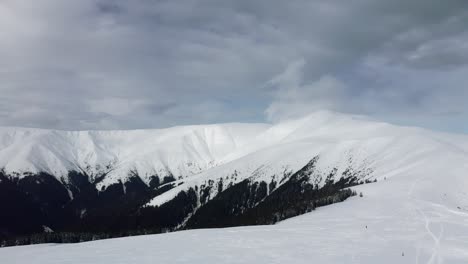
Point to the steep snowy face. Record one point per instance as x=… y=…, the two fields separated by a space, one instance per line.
x=176 y=152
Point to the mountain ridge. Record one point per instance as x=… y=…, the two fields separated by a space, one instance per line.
x=242 y=174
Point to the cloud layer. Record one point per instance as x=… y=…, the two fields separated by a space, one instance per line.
x=115 y=64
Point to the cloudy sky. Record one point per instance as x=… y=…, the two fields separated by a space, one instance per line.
x=119 y=64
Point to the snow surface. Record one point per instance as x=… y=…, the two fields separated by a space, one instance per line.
x=178 y=151
x=416 y=213
x=411 y=214
x=373 y=149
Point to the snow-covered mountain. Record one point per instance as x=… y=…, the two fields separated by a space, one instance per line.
x=178 y=151
x=185 y=151
x=217 y=175
x=416 y=212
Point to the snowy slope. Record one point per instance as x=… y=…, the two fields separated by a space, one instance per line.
x=197 y=154
x=370 y=149
x=177 y=151
x=419 y=214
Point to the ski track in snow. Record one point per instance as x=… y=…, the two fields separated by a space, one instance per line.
x=427 y=227
x=435 y=251
x=419 y=205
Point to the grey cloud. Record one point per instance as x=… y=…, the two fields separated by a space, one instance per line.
x=424 y=97
x=102 y=64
